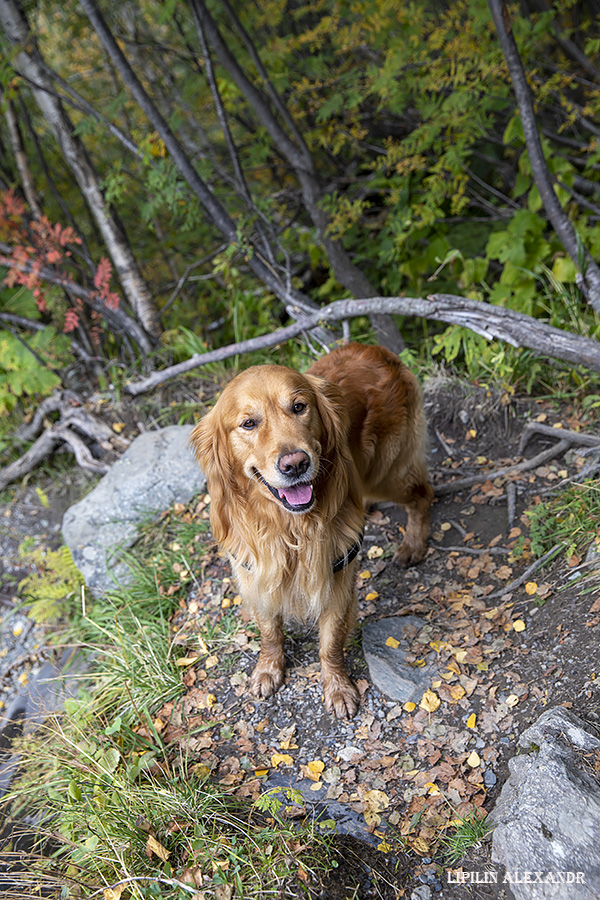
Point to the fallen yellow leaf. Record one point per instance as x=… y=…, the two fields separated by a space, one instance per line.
x=364 y=575
x=374 y=552
x=279 y=758
x=113 y=893
x=315 y=768
x=474 y=760
x=409 y=706
x=430 y=701
x=154 y=846
x=372 y=595
x=531 y=588
x=519 y=625
x=392 y=642
x=184 y=661
x=118 y=427
x=471 y=721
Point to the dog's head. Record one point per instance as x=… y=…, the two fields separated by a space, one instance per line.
x=276 y=432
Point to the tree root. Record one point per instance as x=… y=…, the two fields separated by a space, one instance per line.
x=83 y=433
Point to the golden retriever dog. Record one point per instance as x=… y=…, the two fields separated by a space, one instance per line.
x=290 y=460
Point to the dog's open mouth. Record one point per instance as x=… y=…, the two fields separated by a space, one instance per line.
x=297 y=497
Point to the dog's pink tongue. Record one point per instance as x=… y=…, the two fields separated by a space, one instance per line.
x=297 y=495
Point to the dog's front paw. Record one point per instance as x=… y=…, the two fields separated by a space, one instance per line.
x=267 y=678
x=341 y=697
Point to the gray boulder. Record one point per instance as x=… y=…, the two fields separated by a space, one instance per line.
x=387 y=667
x=157 y=470
x=547 y=818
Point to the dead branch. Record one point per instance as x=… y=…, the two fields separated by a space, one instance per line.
x=525 y=576
x=539 y=460
x=77 y=429
x=492 y=322
x=575 y=438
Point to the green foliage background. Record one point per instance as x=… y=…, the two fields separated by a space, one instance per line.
x=409 y=114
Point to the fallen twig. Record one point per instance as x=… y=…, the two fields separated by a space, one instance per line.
x=526 y=574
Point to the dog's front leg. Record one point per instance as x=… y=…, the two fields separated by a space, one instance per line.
x=269 y=672
x=341 y=696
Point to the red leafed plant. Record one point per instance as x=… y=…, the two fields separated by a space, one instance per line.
x=34 y=249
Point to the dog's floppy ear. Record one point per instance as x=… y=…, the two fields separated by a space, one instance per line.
x=209 y=442
x=333 y=413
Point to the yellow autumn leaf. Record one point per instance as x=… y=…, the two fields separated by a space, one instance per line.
x=471 y=721
x=364 y=575
x=279 y=758
x=430 y=701
x=118 y=427
x=261 y=772
x=519 y=625
x=474 y=760
x=392 y=642
x=184 y=661
x=316 y=786
x=113 y=893
x=211 y=661
x=460 y=656
x=372 y=595
x=457 y=691
x=225 y=603
x=315 y=767
x=154 y=846
x=376 y=800
x=531 y=588
x=445 y=526
x=374 y=552
x=385 y=847
x=409 y=706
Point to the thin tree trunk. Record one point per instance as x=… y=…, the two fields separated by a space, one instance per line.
x=29 y=63
x=21 y=159
x=299 y=157
x=298 y=303
x=588 y=271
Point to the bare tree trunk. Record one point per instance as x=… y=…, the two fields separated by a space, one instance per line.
x=297 y=302
x=16 y=140
x=588 y=271
x=29 y=63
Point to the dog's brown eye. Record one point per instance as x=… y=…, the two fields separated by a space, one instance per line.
x=249 y=424
x=299 y=407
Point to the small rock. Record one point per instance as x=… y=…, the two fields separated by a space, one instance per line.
x=389 y=672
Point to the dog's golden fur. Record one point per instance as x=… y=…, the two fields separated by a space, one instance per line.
x=290 y=459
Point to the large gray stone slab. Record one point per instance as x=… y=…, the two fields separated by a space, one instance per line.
x=157 y=470
x=387 y=666
x=547 y=818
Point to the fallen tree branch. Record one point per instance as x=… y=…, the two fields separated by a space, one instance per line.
x=581 y=439
x=526 y=574
x=539 y=460
x=77 y=428
x=492 y=322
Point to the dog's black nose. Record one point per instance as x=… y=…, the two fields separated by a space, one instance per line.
x=293 y=464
